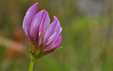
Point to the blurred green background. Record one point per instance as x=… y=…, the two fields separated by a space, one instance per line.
x=87 y=43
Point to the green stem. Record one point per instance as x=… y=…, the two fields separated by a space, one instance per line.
x=31 y=65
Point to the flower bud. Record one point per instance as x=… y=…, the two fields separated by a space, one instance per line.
x=43 y=36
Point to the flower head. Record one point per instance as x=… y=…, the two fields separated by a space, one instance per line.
x=43 y=36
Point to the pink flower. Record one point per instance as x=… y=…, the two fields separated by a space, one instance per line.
x=43 y=36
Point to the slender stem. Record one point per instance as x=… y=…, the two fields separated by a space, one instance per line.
x=31 y=65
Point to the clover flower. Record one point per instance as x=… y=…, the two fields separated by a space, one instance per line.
x=43 y=36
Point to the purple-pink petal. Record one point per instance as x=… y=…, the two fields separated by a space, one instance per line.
x=51 y=38
x=34 y=29
x=57 y=30
x=54 y=18
x=31 y=12
x=47 y=22
x=49 y=31
x=57 y=43
x=44 y=22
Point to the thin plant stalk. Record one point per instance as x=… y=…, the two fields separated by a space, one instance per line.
x=31 y=65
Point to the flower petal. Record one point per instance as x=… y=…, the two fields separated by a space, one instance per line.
x=31 y=12
x=34 y=29
x=44 y=22
x=58 y=30
x=54 y=18
x=57 y=43
x=49 y=31
x=51 y=38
